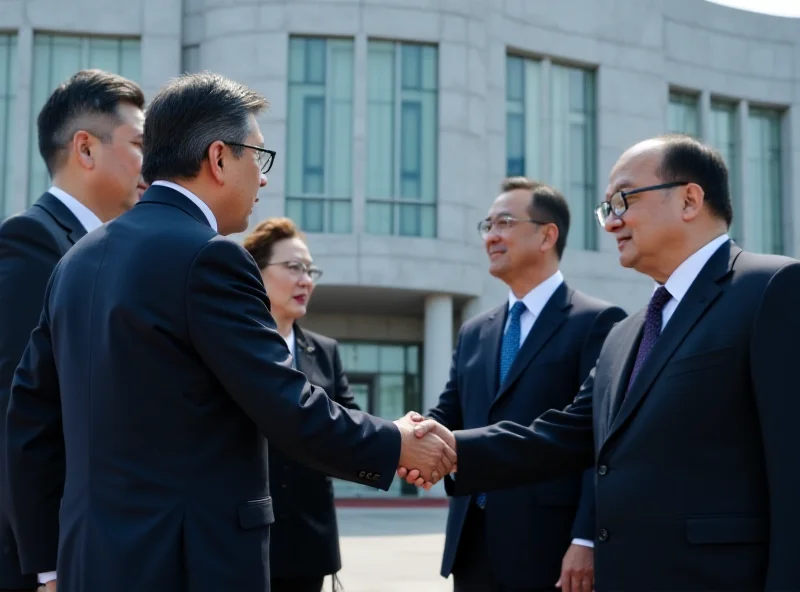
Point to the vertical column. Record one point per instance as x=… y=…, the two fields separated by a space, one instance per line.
x=546 y=114
x=704 y=108
x=438 y=351
x=745 y=198
x=21 y=128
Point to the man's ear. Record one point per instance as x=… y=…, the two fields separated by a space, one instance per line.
x=693 y=199
x=217 y=156
x=83 y=145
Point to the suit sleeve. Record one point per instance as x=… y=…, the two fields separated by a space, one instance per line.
x=231 y=327
x=343 y=394
x=583 y=527
x=35 y=453
x=28 y=255
x=774 y=359
x=507 y=454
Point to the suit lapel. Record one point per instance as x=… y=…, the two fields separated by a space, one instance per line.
x=491 y=338
x=63 y=216
x=623 y=365
x=549 y=320
x=701 y=295
x=303 y=351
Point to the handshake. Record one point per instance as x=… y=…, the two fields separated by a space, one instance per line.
x=427 y=450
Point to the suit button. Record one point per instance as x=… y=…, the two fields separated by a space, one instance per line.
x=361 y=474
x=602 y=470
x=369 y=475
x=376 y=476
x=602 y=536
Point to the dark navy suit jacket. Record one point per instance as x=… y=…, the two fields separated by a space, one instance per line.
x=697 y=465
x=153 y=377
x=31 y=244
x=528 y=528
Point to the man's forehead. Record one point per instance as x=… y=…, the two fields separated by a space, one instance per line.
x=510 y=203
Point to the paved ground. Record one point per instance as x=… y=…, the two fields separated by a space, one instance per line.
x=392 y=550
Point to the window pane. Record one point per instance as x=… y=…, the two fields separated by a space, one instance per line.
x=8 y=90
x=724 y=138
x=764 y=214
x=364 y=358
x=340 y=216
x=683 y=114
x=392 y=359
x=572 y=152
x=313 y=215
x=379 y=218
x=190 y=59
x=55 y=59
x=402 y=128
x=380 y=120
x=515 y=79
x=320 y=130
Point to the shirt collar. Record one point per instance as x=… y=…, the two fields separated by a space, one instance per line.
x=290 y=340
x=212 y=220
x=683 y=277
x=535 y=300
x=85 y=216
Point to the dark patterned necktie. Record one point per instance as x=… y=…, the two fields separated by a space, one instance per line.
x=508 y=352
x=652 y=329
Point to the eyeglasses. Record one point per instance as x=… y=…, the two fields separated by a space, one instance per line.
x=618 y=203
x=502 y=223
x=297 y=269
x=265 y=157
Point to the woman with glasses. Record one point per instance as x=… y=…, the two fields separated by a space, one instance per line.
x=304 y=540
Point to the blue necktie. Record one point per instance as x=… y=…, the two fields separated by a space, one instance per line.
x=508 y=351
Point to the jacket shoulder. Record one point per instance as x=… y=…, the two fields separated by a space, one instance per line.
x=321 y=341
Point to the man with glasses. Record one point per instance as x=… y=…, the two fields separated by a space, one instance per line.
x=90 y=137
x=157 y=357
x=514 y=363
x=690 y=415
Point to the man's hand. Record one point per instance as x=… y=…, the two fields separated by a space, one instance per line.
x=577 y=569
x=424 y=450
x=428 y=427
x=48 y=587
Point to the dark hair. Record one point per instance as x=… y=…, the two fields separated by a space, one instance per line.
x=687 y=159
x=261 y=241
x=188 y=115
x=547 y=204
x=89 y=101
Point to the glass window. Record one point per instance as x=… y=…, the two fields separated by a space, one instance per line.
x=190 y=59
x=402 y=126
x=724 y=137
x=763 y=218
x=386 y=380
x=55 y=59
x=8 y=92
x=571 y=144
x=320 y=134
x=683 y=114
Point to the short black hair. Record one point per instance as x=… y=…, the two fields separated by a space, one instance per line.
x=188 y=115
x=547 y=204
x=687 y=159
x=87 y=95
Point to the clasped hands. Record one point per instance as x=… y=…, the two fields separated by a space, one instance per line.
x=427 y=450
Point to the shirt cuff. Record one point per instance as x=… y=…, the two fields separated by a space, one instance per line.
x=47 y=576
x=583 y=543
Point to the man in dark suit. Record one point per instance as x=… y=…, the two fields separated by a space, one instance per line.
x=157 y=358
x=693 y=400
x=90 y=137
x=514 y=363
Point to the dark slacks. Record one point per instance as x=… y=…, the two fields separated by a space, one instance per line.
x=296 y=584
x=472 y=571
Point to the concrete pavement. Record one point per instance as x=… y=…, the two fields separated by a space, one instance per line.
x=392 y=550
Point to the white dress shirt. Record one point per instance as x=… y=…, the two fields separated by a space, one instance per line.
x=212 y=220
x=683 y=277
x=534 y=302
x=85 y=216
x=89 y=221
x=290 y=343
